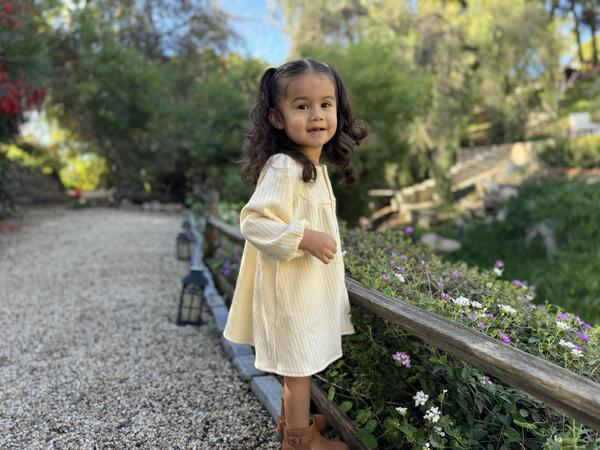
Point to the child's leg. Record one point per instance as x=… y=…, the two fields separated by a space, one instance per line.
x=296 y=401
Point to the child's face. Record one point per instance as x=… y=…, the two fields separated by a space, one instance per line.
x=309 y=111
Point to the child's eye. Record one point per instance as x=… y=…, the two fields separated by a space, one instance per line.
x=327 y=105
x=302 y=106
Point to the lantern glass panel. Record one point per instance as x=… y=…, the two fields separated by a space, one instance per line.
x=190 y=304
x=184 y=247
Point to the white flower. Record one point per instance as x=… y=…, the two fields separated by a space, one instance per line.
x=400 y=277
x=498 y=271
x=476 y=304
x=462 y=301
x=432 y=414
x=426 y=445
x=576 y=353
x=401 y=410
x=420 y=398
x=507 y=308
x=439 y=431
x=344 y=252
x=564 y=343
x=445 y=390
x=562 y=325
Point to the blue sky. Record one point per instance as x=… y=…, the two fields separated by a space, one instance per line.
x=259 y=23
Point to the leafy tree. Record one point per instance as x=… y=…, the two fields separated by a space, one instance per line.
x=157 y=116
x=23 y=64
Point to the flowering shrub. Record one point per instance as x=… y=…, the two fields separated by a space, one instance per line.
x=17 y=93
x=20 y=56
x=402 y=393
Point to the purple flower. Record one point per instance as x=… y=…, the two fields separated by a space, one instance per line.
x=582 y=323
x=386 y=277
x=227 y=262
x=518 y=282
x=481 y=325
x=394 y=254
x=409 y=230
x=499 y=263
x=583 y=337
x=579 y=347
x=455 y=273
x=505 y=339
x=403 y=358
x=446 y=296
x=563 y=316
x=227 y=271
x=403 y=257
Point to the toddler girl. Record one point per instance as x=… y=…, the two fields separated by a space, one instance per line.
x=290 y=300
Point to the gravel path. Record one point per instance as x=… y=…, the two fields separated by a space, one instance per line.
x=90 y=356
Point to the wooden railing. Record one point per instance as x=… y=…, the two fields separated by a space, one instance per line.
x=561 y=389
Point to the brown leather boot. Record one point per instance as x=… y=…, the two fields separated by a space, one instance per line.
x=308 y=438
x=320 y=422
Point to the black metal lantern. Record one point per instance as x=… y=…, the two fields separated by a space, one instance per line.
x=187 y=226
x=184 y=247
x=191 y=302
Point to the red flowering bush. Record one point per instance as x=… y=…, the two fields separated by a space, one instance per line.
x=17 y=93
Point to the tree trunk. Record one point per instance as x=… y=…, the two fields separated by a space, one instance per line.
x=594 y=46
x=576 y=30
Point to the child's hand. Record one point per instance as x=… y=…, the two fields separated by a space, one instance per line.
x=320 y=245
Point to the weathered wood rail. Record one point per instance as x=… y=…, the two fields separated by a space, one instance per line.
x=561 y=389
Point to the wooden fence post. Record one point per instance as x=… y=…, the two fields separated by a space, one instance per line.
x=211 y=234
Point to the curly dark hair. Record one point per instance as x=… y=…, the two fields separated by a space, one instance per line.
x=264 y=140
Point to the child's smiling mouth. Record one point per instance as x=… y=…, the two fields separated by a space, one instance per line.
x=316 y=130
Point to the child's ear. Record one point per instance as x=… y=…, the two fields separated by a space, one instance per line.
x=275 y=118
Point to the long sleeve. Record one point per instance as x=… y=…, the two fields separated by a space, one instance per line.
x=266 y=220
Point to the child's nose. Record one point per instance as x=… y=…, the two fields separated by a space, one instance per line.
x=317 y=114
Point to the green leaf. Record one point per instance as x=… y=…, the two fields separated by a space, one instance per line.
x=464 y=373
x=504 y=420
x=346 y=406
x=529 y=426
x=331 y=393
x=362 y=416
x=390 y=424
x=512 y=434
x=479 y=405
x=371 y=425
x=366 y=438
x=523 y=412
x=393 y=437
x=477 y=433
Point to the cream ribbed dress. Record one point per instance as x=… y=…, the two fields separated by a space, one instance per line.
x=288 y=304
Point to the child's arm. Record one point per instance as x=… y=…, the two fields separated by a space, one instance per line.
x=265 y=221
